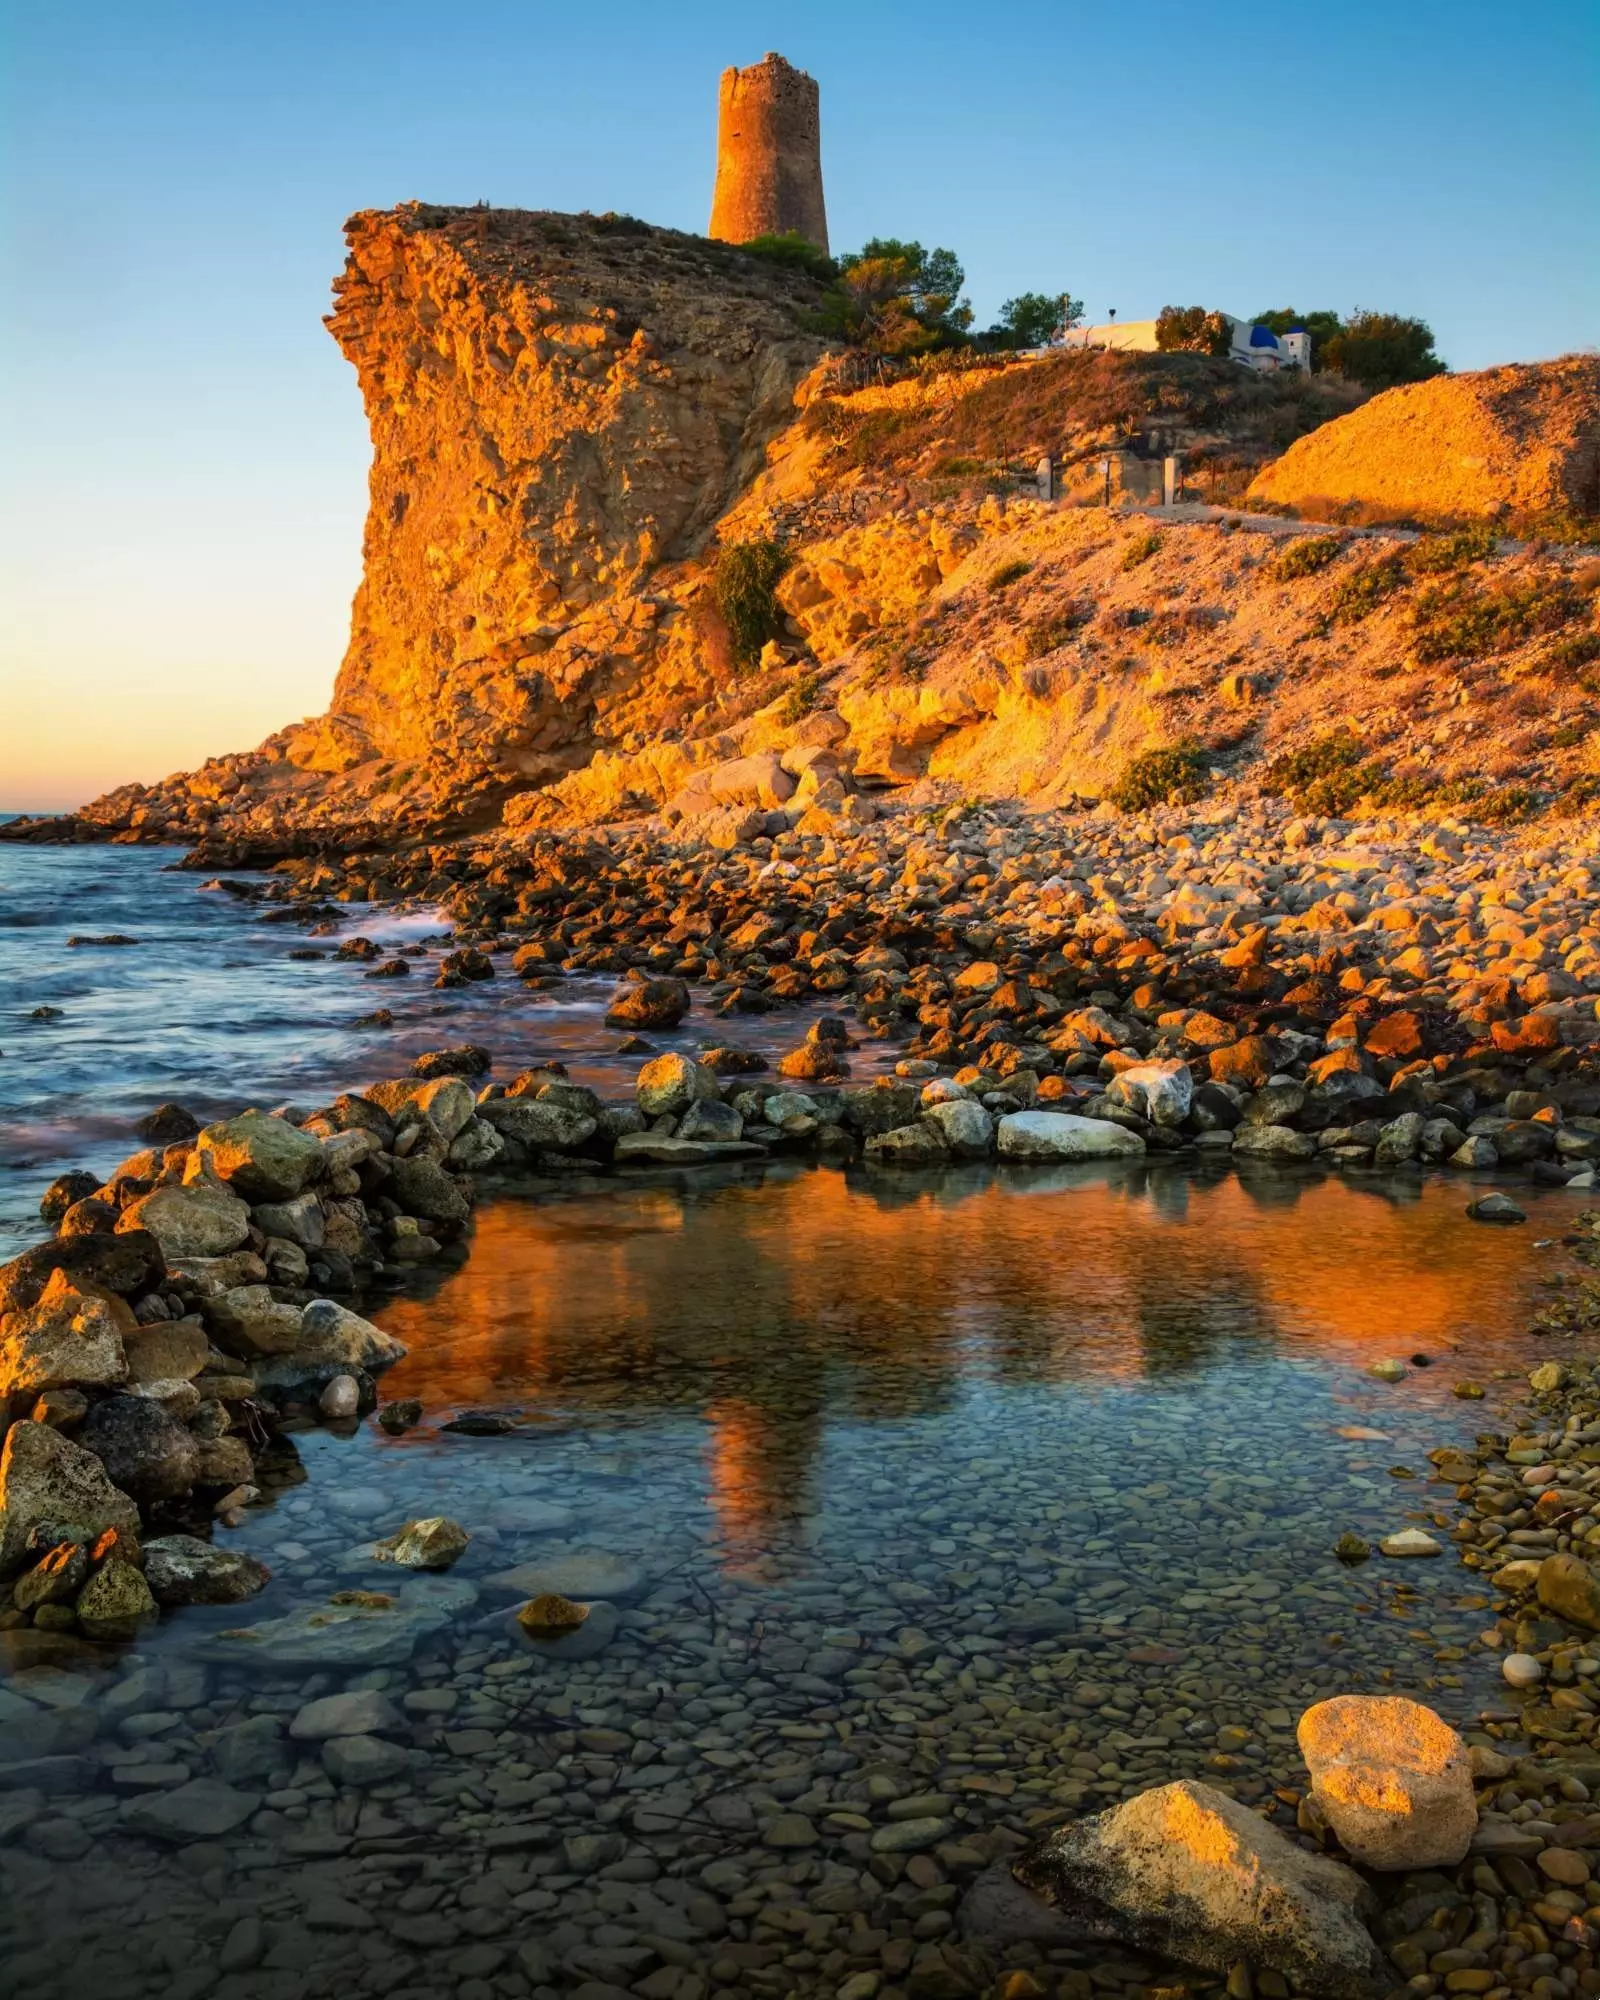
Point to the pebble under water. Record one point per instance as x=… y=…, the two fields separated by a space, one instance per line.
x=915 y=1513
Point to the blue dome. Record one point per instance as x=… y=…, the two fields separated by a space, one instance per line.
x=1263 y=336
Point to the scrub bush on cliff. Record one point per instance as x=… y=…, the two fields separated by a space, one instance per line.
x=896 y=298
x=745 y=586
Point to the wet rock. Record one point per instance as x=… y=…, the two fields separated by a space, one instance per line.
x=1569 y=1587
x=352 y=1630
x=115 y=1602
x=145 y=1452
x=182 y=1569
x=1273 y=1142
x=258 y=1157
x=63 y=1192
x=329 y=1340
x=561 y=1640
x=1194 y=1875
x=340 y=1398
x=55 y=1579
x=1061 y=1135
x=249 y=1321
x=919 y=1145
x=554 y=1127
x=470 y=1059
x=663 y=1150
x=45 y=1478
x=203 y=1809
x=577 y=1573
x=299 y=1221
x=169 y=1351
x=127 y=1263
x=68 y=1339
x=1392 y=1779
x=167 y=1125
x=424 y=1189
x=1496 y=1208
x=358 y=1712
x=433 y=1543
x=202 y=1220
x=648 y=1003
x=400 y=1417
x=709 y=1119
x=363 y=1760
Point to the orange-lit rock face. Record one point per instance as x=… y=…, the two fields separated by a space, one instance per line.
x=775 y=1312
x=557 y=409
x=1392 y=1779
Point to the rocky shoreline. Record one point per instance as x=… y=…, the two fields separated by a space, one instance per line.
x=1061 y=1005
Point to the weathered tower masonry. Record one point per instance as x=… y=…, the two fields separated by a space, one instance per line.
x=769 y=155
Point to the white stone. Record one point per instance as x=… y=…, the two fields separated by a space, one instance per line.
x=1163 y=1092
x=1062 y=1135
x=1521 y=1670
x=1410 y=1542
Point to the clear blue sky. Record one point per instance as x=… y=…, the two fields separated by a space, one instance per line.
x=184 y=446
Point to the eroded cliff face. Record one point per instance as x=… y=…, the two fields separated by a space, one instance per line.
x=561 y=408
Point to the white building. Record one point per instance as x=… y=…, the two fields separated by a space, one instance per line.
x=1255 y=347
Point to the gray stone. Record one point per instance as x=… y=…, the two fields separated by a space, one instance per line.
x=257 y=1157
x=45 y=1478
x=352 y=1634
x=363 y=1760
x=146 y=1452
x=582 y=1574
x=966 y=1128
x=181 y=1569
x=203 y=1809
x=357 y=1712
x=202 y=1220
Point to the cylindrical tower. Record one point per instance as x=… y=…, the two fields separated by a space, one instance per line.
x=769 y=155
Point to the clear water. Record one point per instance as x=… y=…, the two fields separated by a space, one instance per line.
x=963 y=1502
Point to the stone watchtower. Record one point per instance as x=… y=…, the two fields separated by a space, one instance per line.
x=769 y=155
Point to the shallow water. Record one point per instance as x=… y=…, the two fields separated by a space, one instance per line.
x=994 y=1495
x=207 y=1007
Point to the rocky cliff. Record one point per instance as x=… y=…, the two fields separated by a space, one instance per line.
x=570 y=415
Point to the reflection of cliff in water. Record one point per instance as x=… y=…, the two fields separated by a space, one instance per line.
x=771 y=1308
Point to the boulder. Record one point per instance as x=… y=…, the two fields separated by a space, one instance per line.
x=114 y=1603
x=145 y=1452
x=357 y=1712
x=201 y=1220
x=881 y=1106
x=1062 y=1135
x=1392 y=1779
x=710 y=1120
x=258 y=1157
x=648 y=1003
x=248 y=1320
x=1273 y=1142
x=69 y=1339
x=918 y=1145
x=351 y=1631
x=331 y=1340
x=965 y=1127
x=1570 y=1588
x=203 y=1809
x=555 y=1128
x=1163 y=1092
x=127 y=1264
x=181 y=1569
x=299 y=1221
x=1189 y=1874
x=172 y=1350
x=43 y=1477
x=423 y=1188
x=669 y=1084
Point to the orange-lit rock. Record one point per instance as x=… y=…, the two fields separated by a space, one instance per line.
x=1391 y=1778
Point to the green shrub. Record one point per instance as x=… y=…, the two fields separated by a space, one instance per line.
x=1162 y=778
x=1457 y=621
x=957 y=468
x=1306 y=556
x=1326 y=776
x=1045 y=634
x=1379 y=350
x=1007 y=574
x=1442 y=555
x=790 y=248
x=798 y=703
x=1192 y=330
x=1568 y=655
x=1362 y=592
x=746 y=584
x=1515 y=802
x=1140 y=550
